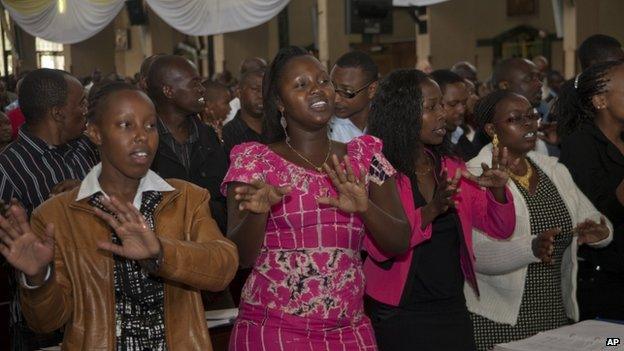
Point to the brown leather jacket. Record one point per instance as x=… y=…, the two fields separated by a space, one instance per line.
x=80 y=295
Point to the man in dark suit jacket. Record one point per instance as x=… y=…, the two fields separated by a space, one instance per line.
x=188 y=149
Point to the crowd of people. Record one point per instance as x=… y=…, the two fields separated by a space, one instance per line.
x=335 y=208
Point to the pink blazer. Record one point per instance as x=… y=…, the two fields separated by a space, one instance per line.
x=476 y=207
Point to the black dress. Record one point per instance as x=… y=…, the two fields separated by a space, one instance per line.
x=597 y=167
x=432 y=314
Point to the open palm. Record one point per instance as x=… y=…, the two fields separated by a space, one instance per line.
x=352 y=192
x=21 y=247
x=495 y=176
x=258 y=197
x=138 y=241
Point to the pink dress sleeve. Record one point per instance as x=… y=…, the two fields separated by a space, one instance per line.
x=248 y=162
x=367 y=152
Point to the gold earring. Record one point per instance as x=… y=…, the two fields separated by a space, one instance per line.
x=495 y=141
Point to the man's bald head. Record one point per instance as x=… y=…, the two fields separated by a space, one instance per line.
x=541 y=63
x=520 y=76
x=466 y=70
x=165 y=70
x=253 y=64
x=174 y=80
x=147 y=63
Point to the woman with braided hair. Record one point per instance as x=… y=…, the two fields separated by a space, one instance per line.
x=527 y=282
x=590 y=114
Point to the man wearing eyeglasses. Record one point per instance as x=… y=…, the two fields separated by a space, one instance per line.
x=355 y=77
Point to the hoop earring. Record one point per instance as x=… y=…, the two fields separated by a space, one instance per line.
x=284 y=124
x=495 y=141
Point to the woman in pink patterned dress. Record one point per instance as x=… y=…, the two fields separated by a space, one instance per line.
x=300 y=222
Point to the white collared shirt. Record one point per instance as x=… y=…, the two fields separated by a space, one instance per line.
x=234 y=107
x=343 y=130
x=150 y=182
x=456 y=135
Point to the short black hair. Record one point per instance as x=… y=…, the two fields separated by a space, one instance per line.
x=445 y=77
x=247 y=74
x=361 y=60
x=213 y=88
x=504 y=68
x=99 y=94
x=157 y=74
x=40 y=91
x=599 y=48
x=465 y=70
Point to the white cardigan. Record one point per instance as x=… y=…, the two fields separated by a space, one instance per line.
x=501 y=265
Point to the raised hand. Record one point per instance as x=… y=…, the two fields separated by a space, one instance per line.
x=495 y=176
x=138 y=241
x=258 y=197
x=445 y=191
x=591 y=232
x=21 y=247
x=543 y=244
x=352 y=193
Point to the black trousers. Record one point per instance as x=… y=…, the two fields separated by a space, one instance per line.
x=436 y=326
x=600 y=292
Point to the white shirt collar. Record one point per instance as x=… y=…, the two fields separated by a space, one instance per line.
x=343 y=130
x=150 y=182
x=457 y=134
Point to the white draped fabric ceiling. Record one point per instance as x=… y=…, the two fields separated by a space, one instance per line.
x=72 y=21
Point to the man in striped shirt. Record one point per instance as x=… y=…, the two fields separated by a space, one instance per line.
x=49 y=156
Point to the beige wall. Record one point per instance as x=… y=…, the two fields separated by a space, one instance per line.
x=247 y=43
x=97 y=51
x=300 y=30
x=28 y=50
x=600 y=16
x=456 y=25
x=128 y=62
x=301 y=27
x=164 y=37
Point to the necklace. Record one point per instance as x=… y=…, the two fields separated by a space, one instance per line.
x=317 y=168
x=524 y=180
x=423 y=173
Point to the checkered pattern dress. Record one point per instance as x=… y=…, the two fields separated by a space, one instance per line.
x=139 y=297
x=542 y=305
x=306 y=289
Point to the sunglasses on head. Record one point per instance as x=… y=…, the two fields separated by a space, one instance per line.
x=347 y=94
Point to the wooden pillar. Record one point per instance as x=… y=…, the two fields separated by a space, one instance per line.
x=219 y=53
x=205 y=66
x=423 y=42
x=323 y=32
x=569 y=39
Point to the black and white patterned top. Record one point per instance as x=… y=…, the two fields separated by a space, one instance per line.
x=139 y=297
x=542 y=305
